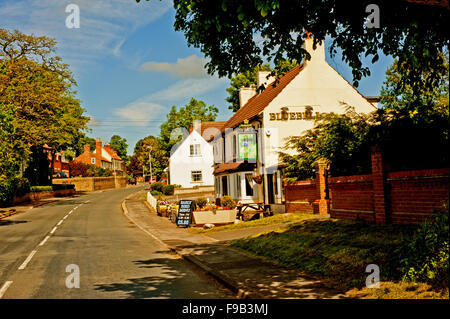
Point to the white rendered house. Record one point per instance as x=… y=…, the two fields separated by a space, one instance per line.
x=191 y=164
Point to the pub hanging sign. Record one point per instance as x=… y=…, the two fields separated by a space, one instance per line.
x=285 y=115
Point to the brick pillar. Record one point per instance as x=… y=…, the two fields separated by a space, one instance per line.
x=379 y=195
x=98 y=152
x=322 y=205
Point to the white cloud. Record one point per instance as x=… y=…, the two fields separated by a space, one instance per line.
x=140 y=112
x=190 y=67
x=152 y=106
x=104 y=24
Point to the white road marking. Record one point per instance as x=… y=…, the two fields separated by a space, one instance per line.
x=53 y=230
x=4 y=288
x=66 y=216
x=27 y=260
x=60 y=222
x=71 y=212
x=44 y=241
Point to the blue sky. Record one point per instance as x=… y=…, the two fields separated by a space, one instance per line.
x=131 y=66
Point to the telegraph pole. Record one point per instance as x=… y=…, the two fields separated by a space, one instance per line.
x=150 y=162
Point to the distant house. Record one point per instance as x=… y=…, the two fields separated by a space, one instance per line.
x=102 y=156
x=60 y=163
x=191 y=163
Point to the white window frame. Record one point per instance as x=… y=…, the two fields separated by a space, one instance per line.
x=93 y=160
x=198 y=172
x=195 y=150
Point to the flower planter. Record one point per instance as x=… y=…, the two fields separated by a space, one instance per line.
x=221 y=217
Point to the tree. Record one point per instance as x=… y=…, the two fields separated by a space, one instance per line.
x=80 y=142
x=413 y=31
x=152 y=146
x=120 y=145
x=183 y=119
x=40 y=88
x=400 y=99
x=343 y=140
x=250 y=78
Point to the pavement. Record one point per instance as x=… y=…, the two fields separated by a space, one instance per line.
x=245 y=275
x=41 y=248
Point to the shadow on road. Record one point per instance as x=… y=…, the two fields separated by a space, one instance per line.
x=12 y=222
x=169 y=279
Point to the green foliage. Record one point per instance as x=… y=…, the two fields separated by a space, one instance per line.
x=224 y=31
x=201 y=202
x=168 y=189
x=9 y=188
x=12 y=148
x=120 y=145
x=228 y=201
x=156 y=193
x=50 y=188
x=425 y=255
x=178 y=122
x=140 y=158
x=158 y=186
x=41 y=88
x=343 y=140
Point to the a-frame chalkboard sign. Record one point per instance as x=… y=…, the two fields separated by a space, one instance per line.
x=185 y=209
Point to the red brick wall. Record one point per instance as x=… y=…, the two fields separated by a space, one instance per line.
x=351 y=197
x=300 y=196
x=413 y=195
x=408 y=197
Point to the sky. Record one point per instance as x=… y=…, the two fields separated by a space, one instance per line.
x=132 y=67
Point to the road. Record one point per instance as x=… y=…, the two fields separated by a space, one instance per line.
x=115 y=259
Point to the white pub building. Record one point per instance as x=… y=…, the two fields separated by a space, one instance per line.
x=246 y=152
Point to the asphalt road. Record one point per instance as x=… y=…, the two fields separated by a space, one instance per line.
x=115 y=258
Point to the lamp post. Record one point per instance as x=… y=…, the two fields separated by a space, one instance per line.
x=150 y=162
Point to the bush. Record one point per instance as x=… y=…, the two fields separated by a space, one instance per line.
x=41 y=188
x=58 y=187
x=228 y=201
x=16 y=186
x=155 y=193
x=168 y=189
x=201 y=202
x=77 y=169
x=158 y=186
x=425 y=255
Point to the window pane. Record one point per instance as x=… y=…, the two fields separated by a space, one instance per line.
x=196 y=176
x=248 y=184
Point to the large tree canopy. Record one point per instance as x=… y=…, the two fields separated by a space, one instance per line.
x=37 y=88
x=239 y=35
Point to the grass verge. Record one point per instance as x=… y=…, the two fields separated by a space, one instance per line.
x=338 y=251
x=278 y=219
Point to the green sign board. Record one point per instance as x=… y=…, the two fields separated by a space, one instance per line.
x=247 y=146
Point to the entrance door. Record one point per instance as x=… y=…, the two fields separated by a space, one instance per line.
x=270 y=189
x=224 y=185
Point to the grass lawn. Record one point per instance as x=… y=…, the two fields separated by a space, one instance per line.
x=272 y=220
x=338 y=251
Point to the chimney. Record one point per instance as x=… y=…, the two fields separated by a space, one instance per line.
x=197 y=125
x=245 y=94
x=264 y=78
x=87 y=148
x=317 y=55
x=98 y=147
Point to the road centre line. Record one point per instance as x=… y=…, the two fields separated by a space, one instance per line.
x=4 y=288
x=60 y=222
x=44 y=241
x=25 y=263
x=53 y=230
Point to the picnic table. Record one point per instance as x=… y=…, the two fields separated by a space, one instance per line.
x=260 y=208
